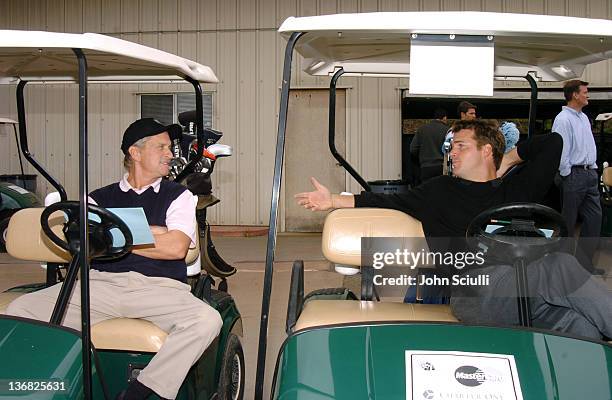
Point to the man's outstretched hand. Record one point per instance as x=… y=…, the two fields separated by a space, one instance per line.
x=318 y=200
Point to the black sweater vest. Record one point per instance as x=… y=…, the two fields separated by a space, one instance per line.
x=155 y=206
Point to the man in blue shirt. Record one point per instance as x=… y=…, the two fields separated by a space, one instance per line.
x=578 y=170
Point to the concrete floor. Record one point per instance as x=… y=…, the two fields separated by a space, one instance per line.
x=248 y=255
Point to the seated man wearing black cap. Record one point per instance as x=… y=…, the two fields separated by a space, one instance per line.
x=149 y=283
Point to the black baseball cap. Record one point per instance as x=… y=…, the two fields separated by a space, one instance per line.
x=146 y=127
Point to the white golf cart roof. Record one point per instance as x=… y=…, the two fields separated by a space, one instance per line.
x=7 y=121
x=36 y=55
x=554 y=48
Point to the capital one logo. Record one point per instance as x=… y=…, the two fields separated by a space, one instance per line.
x=428 y=394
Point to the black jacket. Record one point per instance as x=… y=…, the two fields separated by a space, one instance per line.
x=427 y=143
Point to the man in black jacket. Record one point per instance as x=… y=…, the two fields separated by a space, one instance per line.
x=478 y=161
x=426 y=145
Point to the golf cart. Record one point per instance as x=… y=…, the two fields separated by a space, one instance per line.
x=339 y=347
x=48 y=360
x=14 y=193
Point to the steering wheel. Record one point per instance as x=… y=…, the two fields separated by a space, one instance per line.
x=100 y=237
x=515 y=234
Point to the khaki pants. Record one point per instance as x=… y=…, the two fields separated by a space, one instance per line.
x=190 y=323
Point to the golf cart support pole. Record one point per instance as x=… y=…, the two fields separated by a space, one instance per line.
x=332 y=132
x=83 y=253
x=23 y=142
x=199 y=130
x=19 y=153
x=278 y=171
x=533 y=103
x=524 y=310
x=64 y=295
x=522 y=287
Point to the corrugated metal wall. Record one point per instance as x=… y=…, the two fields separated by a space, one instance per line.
x=238 y=39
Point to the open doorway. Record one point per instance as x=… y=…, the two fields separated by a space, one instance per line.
x=506 y=105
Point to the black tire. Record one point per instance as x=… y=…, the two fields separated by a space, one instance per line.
x=231 y=379
x=5 y=217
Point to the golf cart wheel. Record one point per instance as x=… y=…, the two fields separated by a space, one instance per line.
x=5 y=217
x=231 y=379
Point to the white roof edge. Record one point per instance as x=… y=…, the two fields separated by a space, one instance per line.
x=451 y=22
x=111 y=79
x=7 y=121
x=93 y=41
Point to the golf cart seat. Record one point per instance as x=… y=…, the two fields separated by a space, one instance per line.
x=26 y=224
x=342 y=234
x=344 y=228
x=116 y=334
x=332 y=312
x=127 y=334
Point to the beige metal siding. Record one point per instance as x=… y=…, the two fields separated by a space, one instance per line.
x=238 y=39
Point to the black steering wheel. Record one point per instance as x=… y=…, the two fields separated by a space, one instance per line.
x=518 y=232
x=100 y=237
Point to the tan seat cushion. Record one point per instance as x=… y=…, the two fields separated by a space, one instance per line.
x=328 y=312
x=6 y=298
x=128 y=334
x=25 y=239
x=114 y=334
x=344 y=228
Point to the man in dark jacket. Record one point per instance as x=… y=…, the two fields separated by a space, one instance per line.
x=426 y=145
x=564 y=296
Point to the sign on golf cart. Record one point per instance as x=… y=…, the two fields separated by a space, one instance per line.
x=461 y=375
x=451 y=65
